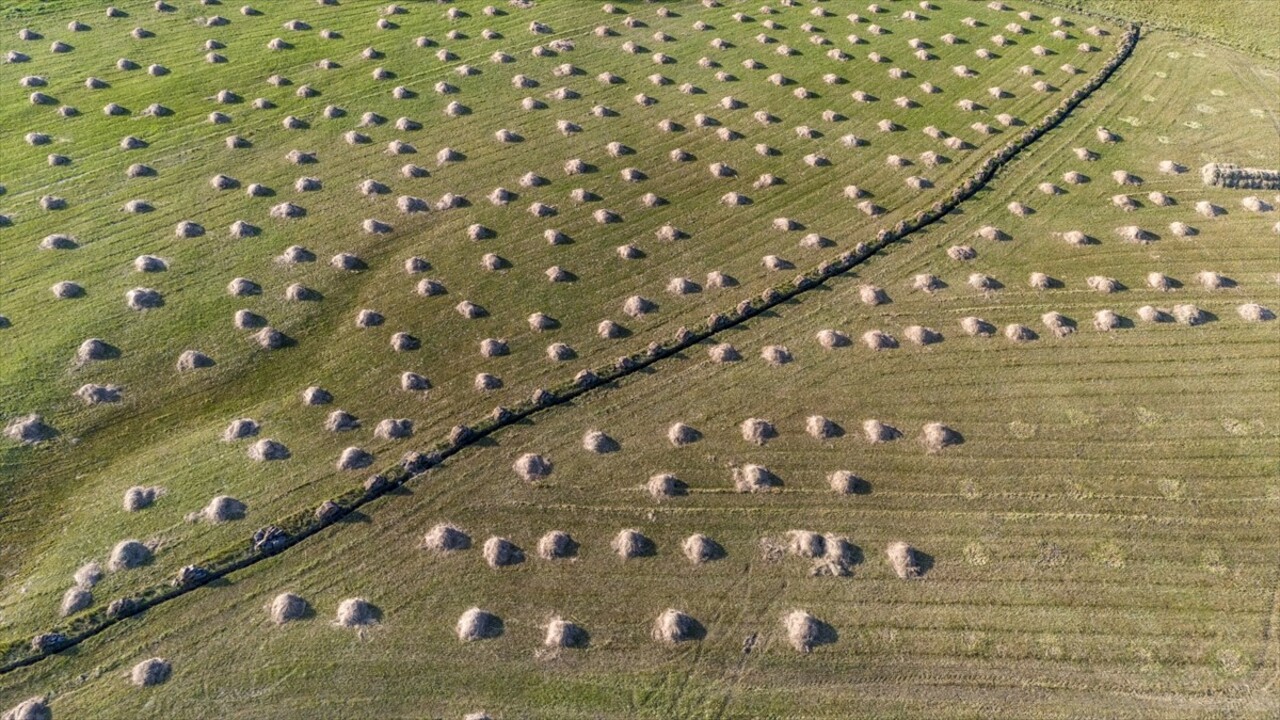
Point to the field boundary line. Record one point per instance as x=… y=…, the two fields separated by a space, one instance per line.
x=271 y=540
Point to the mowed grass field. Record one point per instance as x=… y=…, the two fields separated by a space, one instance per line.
x=1101 y=543
x=64 y=497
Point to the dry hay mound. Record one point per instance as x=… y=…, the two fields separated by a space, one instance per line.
x=354 y=458
x=1208 y=209
x=1151 y=314
x=822 y=428
x=1181 y=229
x=556 y=545
x=758 y=431
x=152 y=671
x=878 y=432
x=564 y=634
x=1099 y=283
x=94 y=394
x=140 y=497
x=88 y=575
x=804 y=631
x=905 y=560
x=961 y=253
x=394 y=429
x=755 y=478
x=977 y=327
x=223 y=508
x=128 y=554
x=699 y=549
x=446 y=537
x=357 y=612
x=1229 y=175
x=832 y=339
x=631 y=543
x=600 y=443
x=532 y=467
x=286 y=607
x=35 y=708
x=724 y=353
x=776 y=354
x=806 y=544
x=1058 y=324
x=316 y=395
x=143 y=299
x=268 y=449
x=936 y=437
x=680 y=434
x=1253 y=312
x=500 y=552
x=1105 y=320
x=922 y=335
x=927 y=282
x=1213 y=281
x=674 y=626
x=844 y=482
x=1188 y=314
x=74 y=600
x=341 y=421
x=665 y=485
x=476 y=624
x=877 y=340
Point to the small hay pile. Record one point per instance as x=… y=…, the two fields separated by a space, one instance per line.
x=758 y=431
x=128 y=554
x=1101 y=284
x=822 y=428
x=878 y=340
x=600 y=443
x=1058 y=324
x=149 y=672
x=699 y=548
x=680 y=434
x=556 y=545
x=532 y=467
x=1229 y=175
x=921 y=335
x=977 y=327
x=1105 y=320
x=1190 y=315
x=138 y=497
x=804 y=631
x=674 y=626
x=287 y=607
x=631 y=543
x=776 y=355
x=877 y=432
x=564 y=634
x=904 y=559
x=936 y=437
x=220 y=509
x=724 y=353
x=1150 y=314
x=356 y=612
x=665 y=485
x=754 y=478
x=806 y=544
x=831 y=339
x=844 y=482
x=1253 y=312
x=500 y=552
x=268 y=449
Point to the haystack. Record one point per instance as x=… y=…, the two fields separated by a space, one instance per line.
x=66 y=290
x=96 y=349
x=806 y=544
x=936 y=436
x=394 y=429
x=1253 y=312
x=1213 y=280
x=1105 y=320
x=804 y=631
x=927 y=282
x=879 y=340
x=287 y=607
x=1102 y=284
x=776 y=355
x=904 y=560
x=73 y=601
x=1058 y=324
x=977 y=327
x=724 y=353
x=699 y=548
x=1181 y=229
x=532 y=467
x=758 y=431
x=631 y=543
x=680 y=434
x=356 y=612
x=316 y=395
x=194 y=360
x=1188 y=314
x=600 y=443
x=240 y=428
x=1135 y=234
x=500 y=552
x=149 y=672
x=35 y=708
x=844 y=482
x=94 y=394
x=822 y=428
x=139 y=498
x=268 y=449
x=221 y=509
x=354 y=458
x=832 y=339
x=673 y=626
x=877 y=432
x=921 y=335
x=754 y=478
x=1151 y=314
x=128 y=554
x=556 y=544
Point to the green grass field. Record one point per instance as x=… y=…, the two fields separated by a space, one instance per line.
x=1100 y=544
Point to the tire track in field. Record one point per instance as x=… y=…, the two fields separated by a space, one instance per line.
x=273 y=540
